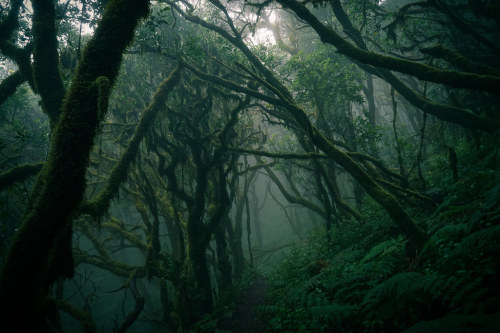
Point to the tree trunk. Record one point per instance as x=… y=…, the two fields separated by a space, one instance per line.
x=26 y=275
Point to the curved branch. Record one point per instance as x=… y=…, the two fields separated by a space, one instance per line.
x=414 y=233
x=461 y=25
x=88 y=326
x=46 y=74
x=22 y=57
x=472 y=81
x=444 y=112
x=11 y=22
x=27 y=272
x=464 y=63
x=100 y=204
x=294 y=199
x=18 y=174
x=118 y=228
x=300 y=156
x=9 y=85
x=139 y=305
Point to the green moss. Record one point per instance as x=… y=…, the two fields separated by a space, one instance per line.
x=9 y=85
x=27 y=272
x=103 y=88
x=99 y=205
x=439 y=51
x=414 y=233
x=422 y=71
x=10 y=23
x=46 y=74
x=88 y=326
x=18 y=173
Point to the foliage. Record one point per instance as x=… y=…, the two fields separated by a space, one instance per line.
x=371 y=282
x=183 y=182
x=223 y=312
x=323 y=75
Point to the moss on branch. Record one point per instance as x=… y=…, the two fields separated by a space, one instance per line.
x=22 y=57
x=449 y=113
x=26 y=274
x=88 y=326
x=119 y=229
x=291 y=198
x=464 y=63
x=9 y=85
x=48 y=81
x=455 y=79
x=100 y=204
x=18 y=173
x=114 y=267
x=414 y=233
x=11 y=21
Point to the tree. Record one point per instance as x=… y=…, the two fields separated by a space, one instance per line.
x=60 y=186
x=161 y=133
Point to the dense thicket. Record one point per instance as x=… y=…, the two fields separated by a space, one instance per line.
x=155 y=153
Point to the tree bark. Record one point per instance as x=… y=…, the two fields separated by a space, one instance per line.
x=28 y=272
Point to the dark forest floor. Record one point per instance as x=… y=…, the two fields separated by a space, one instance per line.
x=245 y=318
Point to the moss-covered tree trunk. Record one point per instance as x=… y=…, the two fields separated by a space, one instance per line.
x=202 y=294
x=28 y=271
x=384 y=64
x=46 y=75
x=414 y=233
x=235 y=237
x=255 y=213
x=223 y=262
x=202 y=297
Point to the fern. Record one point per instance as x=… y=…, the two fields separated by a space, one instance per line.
x=436 y=292
x=442 y=241
x=408 y=284
x=332 y=314
x=351 y=292
x=304 y=311
x=450 y=232
x=459 y=323
x=387 y=248
x=476 y=247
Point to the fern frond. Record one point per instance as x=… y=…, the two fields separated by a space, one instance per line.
x=322 y=309
x=407 y=285
x=387 y=248
x=481 y=244
x=332 y=313
x=452 y=292
x=477 y=323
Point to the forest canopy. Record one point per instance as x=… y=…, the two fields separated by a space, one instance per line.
x=160 y=161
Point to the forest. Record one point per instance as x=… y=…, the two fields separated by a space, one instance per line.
x=249 y=166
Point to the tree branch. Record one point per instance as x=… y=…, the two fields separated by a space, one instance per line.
x=455 y=79
x=19 y=173
x=100 y=204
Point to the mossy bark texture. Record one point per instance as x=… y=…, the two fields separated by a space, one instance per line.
x=407 y=226
x=99 y=205
x=383 y=64
x=10 y=22
x=9 y=85
x=21 y=56
x=424 y=72
x=27 y=275
x=88 y=326
x=414 y=233
x=46 y=74
x=18 y=174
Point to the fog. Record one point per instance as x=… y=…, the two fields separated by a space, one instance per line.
x=277 y=166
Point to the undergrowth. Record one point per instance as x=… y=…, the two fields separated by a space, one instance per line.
x=369 y=279
x=223 y=311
